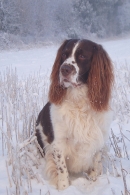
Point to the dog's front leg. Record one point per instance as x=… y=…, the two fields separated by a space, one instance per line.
x=63 y=176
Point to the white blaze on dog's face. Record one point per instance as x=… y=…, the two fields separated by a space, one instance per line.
x=76 y=62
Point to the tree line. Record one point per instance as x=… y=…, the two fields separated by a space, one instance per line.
x=34 y=20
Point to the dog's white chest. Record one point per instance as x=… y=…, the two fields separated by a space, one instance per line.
x=76 y=129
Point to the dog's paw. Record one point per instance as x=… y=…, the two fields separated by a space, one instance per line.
x=63 y=184
x=93 y=176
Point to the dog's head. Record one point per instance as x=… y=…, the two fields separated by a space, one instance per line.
x=76 y=61
x=82 y=62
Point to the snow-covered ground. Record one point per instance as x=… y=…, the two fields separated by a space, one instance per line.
x=23 y=91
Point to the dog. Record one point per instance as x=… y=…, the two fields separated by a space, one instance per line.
x=73 y=126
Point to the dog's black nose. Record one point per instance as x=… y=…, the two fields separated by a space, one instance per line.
x=66 y=69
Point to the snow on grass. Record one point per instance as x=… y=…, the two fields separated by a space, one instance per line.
x=23 y=92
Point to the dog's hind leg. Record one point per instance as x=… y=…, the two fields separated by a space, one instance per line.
x=97 y=167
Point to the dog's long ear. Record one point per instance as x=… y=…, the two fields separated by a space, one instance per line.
x=100 y=79
x=57 y=92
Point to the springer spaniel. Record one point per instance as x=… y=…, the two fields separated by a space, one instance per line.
x=73 y=126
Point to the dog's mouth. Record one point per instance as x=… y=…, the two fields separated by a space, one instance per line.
x=66 y=83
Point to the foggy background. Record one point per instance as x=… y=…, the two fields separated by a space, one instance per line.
x=32 y=22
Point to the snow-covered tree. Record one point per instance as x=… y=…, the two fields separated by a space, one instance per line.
x=124 y=18
x=10 y=16
x=97 y=16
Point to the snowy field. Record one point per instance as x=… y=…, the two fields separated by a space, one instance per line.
x=24 y=81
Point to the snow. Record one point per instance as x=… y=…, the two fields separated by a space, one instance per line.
x=25 y=89
x=119 y=50
x=29 y=61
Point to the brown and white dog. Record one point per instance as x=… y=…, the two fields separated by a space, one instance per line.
x=73 y=126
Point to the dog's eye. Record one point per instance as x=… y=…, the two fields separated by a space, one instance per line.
x=81 y=57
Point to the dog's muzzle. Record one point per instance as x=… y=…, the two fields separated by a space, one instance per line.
x=67 y=70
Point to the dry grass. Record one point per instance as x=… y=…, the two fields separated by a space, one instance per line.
x=20 y=102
